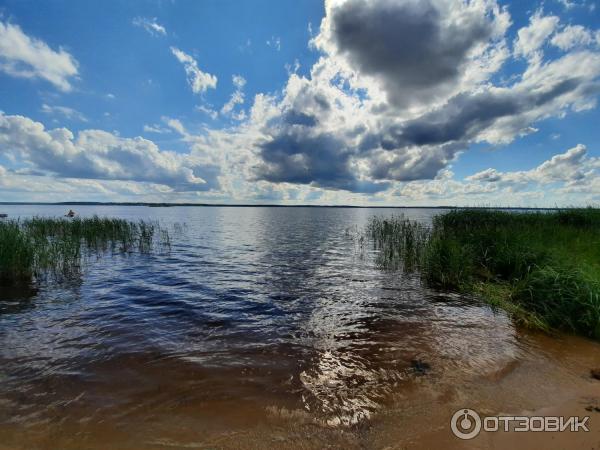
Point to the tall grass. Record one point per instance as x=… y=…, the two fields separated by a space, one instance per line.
x=39 y=247
x=542 y=266
x=400 y=241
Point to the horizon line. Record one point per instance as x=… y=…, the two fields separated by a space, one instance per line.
x=275 y=205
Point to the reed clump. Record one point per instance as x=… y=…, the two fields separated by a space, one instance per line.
x=401 y=242
x=543 y=267
x=36 y=248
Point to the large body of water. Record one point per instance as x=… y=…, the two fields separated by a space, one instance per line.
x=263 y=328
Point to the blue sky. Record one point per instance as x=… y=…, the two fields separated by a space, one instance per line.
x=346 y=102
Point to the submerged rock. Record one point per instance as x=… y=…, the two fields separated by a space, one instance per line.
x=420 y=367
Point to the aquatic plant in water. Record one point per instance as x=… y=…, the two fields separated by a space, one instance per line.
x=543 y=267
x=34 y=248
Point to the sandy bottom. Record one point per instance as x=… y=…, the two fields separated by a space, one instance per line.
x=529 y=388
x=138 y=404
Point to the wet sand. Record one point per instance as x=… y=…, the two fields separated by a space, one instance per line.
x=555 y=382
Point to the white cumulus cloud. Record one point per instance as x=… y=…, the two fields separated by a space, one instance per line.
x=150 y=25
x=64 y=111
x=198 y=80
x=96 y=154
x=575 y=35
x=28 y=57
x=530 y=39
x=237 y=98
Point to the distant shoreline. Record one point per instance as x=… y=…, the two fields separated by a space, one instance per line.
x=267 y=205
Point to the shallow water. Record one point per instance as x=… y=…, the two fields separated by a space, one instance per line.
x=261 y=328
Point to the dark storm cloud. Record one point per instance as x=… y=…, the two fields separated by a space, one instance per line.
x=335 y=131
x=416 y=52
x=422 y=164
x=417 y=149
x=299 y=118
x=465 y=116
x=408 y=45
x=296 y=156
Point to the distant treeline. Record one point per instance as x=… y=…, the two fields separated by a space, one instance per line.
x=267 y=205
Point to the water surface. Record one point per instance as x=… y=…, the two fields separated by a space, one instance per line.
x=261 y=327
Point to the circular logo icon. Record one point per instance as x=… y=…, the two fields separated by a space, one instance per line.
x=465 y=424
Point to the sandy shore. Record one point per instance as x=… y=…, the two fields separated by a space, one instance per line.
x=417 y=415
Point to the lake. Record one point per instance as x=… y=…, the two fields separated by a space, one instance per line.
x=266 y=328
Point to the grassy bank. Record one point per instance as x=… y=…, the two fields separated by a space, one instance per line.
x=543 y=267
x=35 y=248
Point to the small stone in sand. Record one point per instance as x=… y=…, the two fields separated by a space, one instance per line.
x=595 y=373
x=420 y=367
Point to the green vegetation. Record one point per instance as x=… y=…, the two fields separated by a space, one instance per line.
x=34 y=248
x=542 y=267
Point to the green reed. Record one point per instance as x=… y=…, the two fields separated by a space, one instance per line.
x=400 y=241
x=34 y=248
x=544 y=267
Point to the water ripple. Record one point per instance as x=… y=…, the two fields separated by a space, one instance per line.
x=257 y=304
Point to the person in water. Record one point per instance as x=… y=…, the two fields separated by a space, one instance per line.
x=71 y=213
